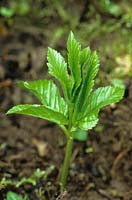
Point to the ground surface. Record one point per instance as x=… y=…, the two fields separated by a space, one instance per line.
x=28 y=143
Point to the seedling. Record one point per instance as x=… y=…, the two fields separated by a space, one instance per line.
x=14 y=196
x=80 y=106
x=33 y=179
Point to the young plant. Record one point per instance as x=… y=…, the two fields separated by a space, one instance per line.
x=33 y=179
x=14 y=196
x=80 y=106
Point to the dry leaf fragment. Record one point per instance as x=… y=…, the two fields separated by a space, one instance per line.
x=42 y=147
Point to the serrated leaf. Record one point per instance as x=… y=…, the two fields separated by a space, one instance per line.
x=58 y=68
x=102 y=97
x=73 y=48
x=47 y=92
x=88 y=122
x=90 y=66
x=84 y=56
x=39 y=111
x=118 y=83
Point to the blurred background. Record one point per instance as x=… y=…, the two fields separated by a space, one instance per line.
x=27 y=28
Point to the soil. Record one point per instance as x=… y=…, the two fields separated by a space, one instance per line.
x=29 y=143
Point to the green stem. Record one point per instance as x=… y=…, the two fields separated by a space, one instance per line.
x=66 y=164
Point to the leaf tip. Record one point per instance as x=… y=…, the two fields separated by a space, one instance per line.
x=71 y=36
x=9 y=112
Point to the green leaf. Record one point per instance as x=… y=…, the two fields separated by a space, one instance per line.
x=102 y=97
x=98 y=99
x=6 y=12
x=47 y=92
x=88 y=122
x=89 y=70
x=81 y=135
x=74 y=48
x=39 y=111
x=90 y=66
x=58 y=68
x=118 y=83
x=89 y=150
x=84 y=56
x=13 y=196
x=23 y=7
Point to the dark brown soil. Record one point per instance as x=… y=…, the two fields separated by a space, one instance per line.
x=105 y=174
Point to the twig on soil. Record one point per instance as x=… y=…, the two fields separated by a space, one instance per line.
x=117 y=160
x=87 y=188
x=17 y=156
x=62 y=195
x=104 y=194
x=74 y=154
